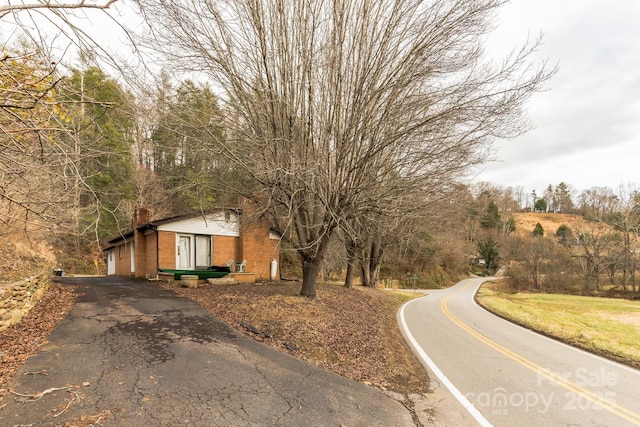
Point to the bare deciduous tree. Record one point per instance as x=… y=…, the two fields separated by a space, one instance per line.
x=28 y=116
x=598 y=202
x=334 y=107
x=35 y=165
x=627 y=221
x=597 y=242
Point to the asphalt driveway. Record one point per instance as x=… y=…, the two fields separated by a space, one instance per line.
x=138 y=355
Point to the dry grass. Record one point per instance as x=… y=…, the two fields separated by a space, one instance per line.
x=352 y=332
x=526 y=222
x=607 y=326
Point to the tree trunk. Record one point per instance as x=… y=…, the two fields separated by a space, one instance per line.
x=351 y=271
x=366 y=273
x=375 y=276
x=626 y=261
x=589 y=275
x=375 y=260
x=352 y=262
x=534 y=277
x=310 y=269
x=632 y=271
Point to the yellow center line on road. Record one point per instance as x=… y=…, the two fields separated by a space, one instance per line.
x=610 y=406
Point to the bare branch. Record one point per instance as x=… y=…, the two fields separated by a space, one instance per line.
x=82 y=4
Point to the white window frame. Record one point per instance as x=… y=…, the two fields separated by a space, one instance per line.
x=208 y=250
x=192 y=250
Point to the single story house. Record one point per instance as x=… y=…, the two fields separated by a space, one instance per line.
x=192 y=242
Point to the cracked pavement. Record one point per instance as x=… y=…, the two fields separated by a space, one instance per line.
x=139 y=355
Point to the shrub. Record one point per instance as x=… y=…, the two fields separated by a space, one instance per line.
x=517 y=277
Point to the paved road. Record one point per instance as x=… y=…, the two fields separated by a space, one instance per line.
x=145 y=357
x=506 y=375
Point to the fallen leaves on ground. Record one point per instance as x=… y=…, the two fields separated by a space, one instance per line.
x=20 y=341
x=352 y=332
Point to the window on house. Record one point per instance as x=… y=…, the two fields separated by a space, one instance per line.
x=194 y=251
x=184 y=252
x=203 y=251
x=121 y=251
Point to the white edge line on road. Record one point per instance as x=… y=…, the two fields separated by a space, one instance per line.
x=438 y=373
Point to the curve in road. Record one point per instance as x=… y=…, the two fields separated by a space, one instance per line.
x=504 y=374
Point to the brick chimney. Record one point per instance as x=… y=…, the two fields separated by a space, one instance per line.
x=255 y=244
x=142 y=215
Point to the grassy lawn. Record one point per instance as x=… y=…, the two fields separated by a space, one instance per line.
x=606 y=326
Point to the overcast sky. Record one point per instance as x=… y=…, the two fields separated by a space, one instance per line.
x=587 y=122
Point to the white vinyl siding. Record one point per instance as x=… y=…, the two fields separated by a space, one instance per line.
x=211 y=225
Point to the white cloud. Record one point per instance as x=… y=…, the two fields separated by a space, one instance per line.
x=587 y=122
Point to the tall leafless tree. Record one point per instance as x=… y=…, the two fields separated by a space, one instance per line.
x=29 y=116
x=598 y=203
x=333 y=106
x=626 y=220
x=597 y=242
x=36 y=167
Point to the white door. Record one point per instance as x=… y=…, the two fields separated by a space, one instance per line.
x=111 y=262
x=133 y=258
x=184 y=252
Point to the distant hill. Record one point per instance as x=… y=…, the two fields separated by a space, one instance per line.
x=526 y=222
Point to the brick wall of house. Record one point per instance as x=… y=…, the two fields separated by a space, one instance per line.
x=258 y=249
x=167 y=255
x=256 y=246
x=151 y=261
x=123 y=259
x=224 y=249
